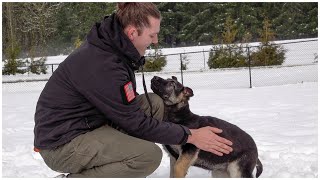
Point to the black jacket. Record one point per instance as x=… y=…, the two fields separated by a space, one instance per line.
x=84 y=93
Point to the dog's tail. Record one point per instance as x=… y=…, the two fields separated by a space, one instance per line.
x=259 y=168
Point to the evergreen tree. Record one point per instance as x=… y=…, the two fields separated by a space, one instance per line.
x=76 y=21
x=248 y=22
x=230 y=55
x=311 y=19
x=199 y=27
x=12 y=48
x=266 y=33
x=268 y=53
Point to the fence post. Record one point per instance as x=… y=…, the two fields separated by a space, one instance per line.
x=248 y=49
x=204 y=60
x=181 y=68
x=51 y=68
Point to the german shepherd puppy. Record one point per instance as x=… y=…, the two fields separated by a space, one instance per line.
x=239 y=163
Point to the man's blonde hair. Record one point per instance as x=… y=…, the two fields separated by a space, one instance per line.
x=136 y=14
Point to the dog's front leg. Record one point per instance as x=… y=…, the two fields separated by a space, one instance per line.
x=172 y=163
x=185 y=160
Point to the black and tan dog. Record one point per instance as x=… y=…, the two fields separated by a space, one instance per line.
x=241 y=162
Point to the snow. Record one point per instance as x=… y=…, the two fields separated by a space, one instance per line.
x=280 y=112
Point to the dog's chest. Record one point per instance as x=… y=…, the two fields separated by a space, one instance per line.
x=173 y=150
x=176 y=148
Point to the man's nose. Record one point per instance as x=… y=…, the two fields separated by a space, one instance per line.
x=155 y=40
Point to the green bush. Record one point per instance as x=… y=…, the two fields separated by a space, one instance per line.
x=226 y=58
x=11 y=63
x=155 y=62
x=11 y=66
x=268 y=56
x=38 y=66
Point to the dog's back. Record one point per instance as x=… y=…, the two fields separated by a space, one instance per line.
x=244 y=146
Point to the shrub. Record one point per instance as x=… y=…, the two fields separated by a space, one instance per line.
x=11 y=64
x=155 y=62
x=226 y=58
x=268 y=55
x=38 y=66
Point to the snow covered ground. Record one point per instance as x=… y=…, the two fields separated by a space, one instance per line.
x=279 y=113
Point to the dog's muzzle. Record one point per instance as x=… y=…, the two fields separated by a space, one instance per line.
x=155 y=83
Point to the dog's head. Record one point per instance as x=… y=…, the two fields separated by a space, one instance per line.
x=171 y=91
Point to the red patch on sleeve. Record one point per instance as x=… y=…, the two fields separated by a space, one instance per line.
x=129 y=92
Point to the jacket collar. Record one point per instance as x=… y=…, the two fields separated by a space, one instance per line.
x=110 y=35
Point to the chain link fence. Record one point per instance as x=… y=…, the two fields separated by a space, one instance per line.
x=300 y=65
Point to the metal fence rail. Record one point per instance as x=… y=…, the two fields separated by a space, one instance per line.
x=300 y=65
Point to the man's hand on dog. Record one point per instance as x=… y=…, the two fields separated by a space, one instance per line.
x=206 y=138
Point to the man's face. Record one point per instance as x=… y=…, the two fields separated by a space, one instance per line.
x=147 y=37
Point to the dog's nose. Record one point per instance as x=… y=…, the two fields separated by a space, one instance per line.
x=155 y=77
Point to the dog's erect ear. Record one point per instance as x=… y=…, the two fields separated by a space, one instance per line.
x=174 y=78
x=187 y=92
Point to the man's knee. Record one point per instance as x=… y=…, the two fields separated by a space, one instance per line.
x=156 y=153
x=158 y=106
x=149 y=159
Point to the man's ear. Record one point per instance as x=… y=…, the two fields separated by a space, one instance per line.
x=131 y=32
x=187 y=92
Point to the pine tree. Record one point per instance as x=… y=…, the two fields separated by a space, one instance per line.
x=76 y=20
x=230 y=32
x=266 y=34
x=268 y=53
x=12 y=49
x=232 y=54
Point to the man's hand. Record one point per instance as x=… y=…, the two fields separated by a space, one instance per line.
x=205 y=138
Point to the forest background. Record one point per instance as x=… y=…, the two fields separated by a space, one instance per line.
x=50 y=28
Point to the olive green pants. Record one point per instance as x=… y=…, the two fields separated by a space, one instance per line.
x=107 y=152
